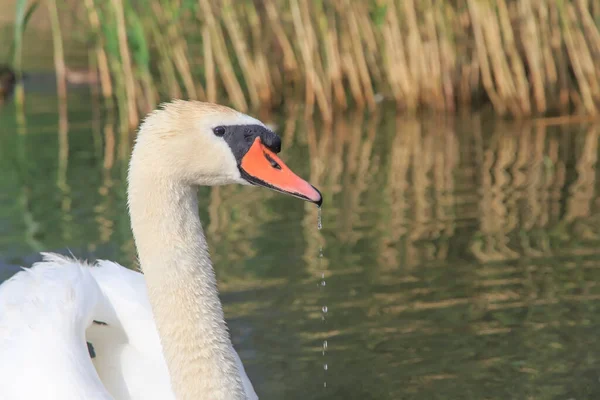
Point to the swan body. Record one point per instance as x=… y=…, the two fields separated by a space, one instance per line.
x=69 y=330
x=59 y=296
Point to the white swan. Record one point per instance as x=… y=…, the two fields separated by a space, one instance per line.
x=160 y=335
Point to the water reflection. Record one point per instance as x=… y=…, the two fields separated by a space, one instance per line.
x=461 y=254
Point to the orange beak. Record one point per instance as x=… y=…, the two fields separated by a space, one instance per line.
x=260 y=166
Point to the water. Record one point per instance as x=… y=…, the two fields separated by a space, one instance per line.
x=461 y=257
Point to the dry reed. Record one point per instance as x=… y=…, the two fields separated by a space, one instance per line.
x=523 y=58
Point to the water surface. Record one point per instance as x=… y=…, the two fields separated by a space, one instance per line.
x=461 y=255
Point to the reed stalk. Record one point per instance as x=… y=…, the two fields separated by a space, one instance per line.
x=230 y=20
x=59 y=68
x=22 y=16
x=265 y=77
x=178 y=48
x=127 y=69
x=209 y=66
x=101 y=56
x=165 y=63
x=223 y=59
x=359 y=55
x=533 y=54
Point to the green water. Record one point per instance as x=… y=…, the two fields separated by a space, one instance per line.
x=461 y=256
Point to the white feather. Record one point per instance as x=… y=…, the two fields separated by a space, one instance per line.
x=46 y=318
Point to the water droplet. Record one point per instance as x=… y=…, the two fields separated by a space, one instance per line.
x=319 y=222
x=322 y=283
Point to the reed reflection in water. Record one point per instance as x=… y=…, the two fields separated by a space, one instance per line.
x=461 y=255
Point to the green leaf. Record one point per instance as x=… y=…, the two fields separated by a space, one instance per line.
x=22 y=16
x=378 y=14
x=137 y=40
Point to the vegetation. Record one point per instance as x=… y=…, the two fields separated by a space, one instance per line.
x=523 y=58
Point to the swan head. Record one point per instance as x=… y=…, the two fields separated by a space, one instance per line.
x=207 y=144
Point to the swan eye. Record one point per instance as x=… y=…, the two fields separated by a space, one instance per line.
x=219 y=131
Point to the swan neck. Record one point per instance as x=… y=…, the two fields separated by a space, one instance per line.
x=182 y=288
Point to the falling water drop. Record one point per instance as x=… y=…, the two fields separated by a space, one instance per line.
x=325 y=309
x=325 y=367
x=319 y=224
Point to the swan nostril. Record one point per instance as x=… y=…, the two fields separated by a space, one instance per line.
x=273 y=163
x=91 y=350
